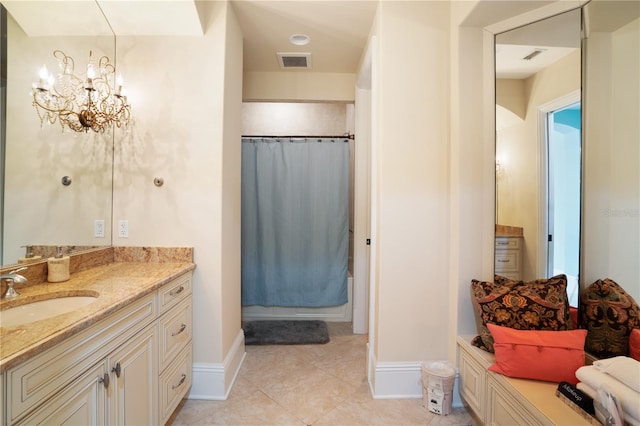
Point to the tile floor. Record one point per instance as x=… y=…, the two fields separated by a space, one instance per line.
x=310 y=385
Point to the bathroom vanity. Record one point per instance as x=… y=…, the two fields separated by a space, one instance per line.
x=125 y=358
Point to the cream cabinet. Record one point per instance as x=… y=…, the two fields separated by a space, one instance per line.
x=175 y=346
x=133 y=391
x=472 y=382
x=98 y=397
x=110 y=373
x=508 y=257
x=82 y=402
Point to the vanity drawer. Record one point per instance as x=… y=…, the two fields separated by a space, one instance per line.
x=44 y=375
x=176 y=330
x=507 y=261
x=175 y=383
x=174 y=292
x=508 y=243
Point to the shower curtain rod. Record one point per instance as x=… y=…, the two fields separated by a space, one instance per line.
x=345 y=136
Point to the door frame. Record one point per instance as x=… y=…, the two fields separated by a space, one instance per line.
x=543 y=172
x=363 y=194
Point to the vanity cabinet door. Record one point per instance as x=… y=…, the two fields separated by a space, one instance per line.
x=82 y=402
x=3 y=421
x=133 y=393
x=472 y=383
x=503 y=409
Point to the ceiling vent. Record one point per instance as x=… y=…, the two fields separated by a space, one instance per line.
x=533 y=54
x=296 y=60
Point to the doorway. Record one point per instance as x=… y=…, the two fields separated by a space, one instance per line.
x=563 y=131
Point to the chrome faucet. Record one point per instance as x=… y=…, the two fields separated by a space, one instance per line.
x=13 y=278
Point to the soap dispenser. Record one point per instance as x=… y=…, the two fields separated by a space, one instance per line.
x=29 y=255
x=58 y=267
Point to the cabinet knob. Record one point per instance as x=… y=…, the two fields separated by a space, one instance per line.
x=177 y=291
x=104 y=380
x=182 y=379
x=116 y=369
x=182 y=328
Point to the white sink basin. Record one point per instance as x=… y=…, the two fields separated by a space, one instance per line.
x=42 y=309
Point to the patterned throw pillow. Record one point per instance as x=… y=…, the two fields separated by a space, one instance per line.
x=536 y=305
x=609 y=314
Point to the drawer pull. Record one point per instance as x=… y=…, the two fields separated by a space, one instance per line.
x=182 y=328
x=503 y=260
x=116 y=369
x=177 y=291
x=104 y=380
x=182 y=379
x=502 y=243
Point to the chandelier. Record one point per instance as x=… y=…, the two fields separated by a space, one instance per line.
x=81 y=103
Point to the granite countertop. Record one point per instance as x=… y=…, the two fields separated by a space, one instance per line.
x=508 y=231
x=116 y=285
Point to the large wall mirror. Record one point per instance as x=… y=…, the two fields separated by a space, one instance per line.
x=567 y=156
x=40 y=207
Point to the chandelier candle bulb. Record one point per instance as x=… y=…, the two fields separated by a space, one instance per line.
x=119 y=85
x=44 y=78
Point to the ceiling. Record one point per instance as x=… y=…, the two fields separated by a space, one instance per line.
x=338 y=32
x=551 y=39
x=338 y=29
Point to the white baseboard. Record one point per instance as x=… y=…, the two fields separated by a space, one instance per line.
x=214 y=381
x=400 y=380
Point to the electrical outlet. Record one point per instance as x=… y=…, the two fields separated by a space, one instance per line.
x=98 y=228
x=123 y=229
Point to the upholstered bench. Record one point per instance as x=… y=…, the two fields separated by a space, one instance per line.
x=494 y=399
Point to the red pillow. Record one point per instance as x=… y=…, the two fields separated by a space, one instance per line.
x=573 y=312
x=551 y=356
x=634 y=344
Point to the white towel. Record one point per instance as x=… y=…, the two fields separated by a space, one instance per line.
x=588 y=390
x=629 y=399
x=623 y=368
x=628 y=418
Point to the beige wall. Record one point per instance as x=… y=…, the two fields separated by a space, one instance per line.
x=299 y=85
x=230 y=225
x=611 y=210
x=518 y=148
x=472 y=170
x=186 y=107
x=412 y=208
x=294 y=119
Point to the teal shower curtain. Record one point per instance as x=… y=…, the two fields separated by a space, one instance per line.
x=295 y=221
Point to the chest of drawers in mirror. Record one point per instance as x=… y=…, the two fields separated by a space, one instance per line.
x=508 y=257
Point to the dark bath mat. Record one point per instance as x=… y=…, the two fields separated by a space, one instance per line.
x=285 y=332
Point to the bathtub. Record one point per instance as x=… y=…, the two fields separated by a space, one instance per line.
x=341 y=313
